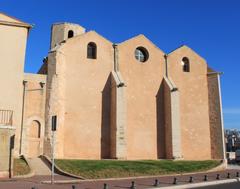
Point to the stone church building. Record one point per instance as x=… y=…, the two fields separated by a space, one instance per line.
x=128 y=100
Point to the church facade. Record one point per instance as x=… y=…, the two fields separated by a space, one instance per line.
x=112 y=101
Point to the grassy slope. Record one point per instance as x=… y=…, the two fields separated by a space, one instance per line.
x=20 y=167
x=113 y=168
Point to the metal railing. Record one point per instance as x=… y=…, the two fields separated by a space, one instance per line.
x=6 y=117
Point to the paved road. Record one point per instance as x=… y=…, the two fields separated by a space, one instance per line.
x=223 y=186
x=32 y=185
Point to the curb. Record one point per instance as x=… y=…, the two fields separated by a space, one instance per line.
x=201 y=184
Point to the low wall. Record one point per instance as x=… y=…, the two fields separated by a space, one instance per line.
x=7 y=134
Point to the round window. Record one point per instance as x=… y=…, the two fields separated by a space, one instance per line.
x=141 y=54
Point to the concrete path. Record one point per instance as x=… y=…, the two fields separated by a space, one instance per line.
x=235 y=185
x=39 y=167
x=233 y=166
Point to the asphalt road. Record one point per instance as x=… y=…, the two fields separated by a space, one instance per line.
x=235 y=185
x=34 y=185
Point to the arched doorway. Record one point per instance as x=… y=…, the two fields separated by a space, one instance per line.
x=34 y=138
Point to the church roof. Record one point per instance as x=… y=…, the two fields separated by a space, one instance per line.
x=143 y=37
x=188 y=48
x=212 y=71
x=11 y=21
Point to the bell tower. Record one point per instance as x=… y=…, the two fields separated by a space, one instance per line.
x=63 y=31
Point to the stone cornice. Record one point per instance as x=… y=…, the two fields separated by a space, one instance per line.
x=15 y=24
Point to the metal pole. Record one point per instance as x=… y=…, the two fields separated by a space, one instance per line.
x=22 y=119
x=53 y=144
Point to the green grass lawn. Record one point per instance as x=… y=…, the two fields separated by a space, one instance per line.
x=20 y=167
x=92 y=169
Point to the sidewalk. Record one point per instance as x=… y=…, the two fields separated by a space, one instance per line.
x=42 y=182
x=164 y=181
x=39 y=167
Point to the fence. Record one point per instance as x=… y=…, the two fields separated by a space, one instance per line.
x=6 y=117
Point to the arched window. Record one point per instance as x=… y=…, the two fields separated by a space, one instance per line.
x=70 y=34
x=92 y=50
x=35 y=129
x=186 y=64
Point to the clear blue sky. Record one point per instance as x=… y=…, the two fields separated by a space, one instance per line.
x=210 y=27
